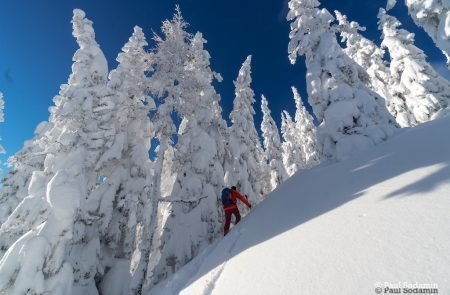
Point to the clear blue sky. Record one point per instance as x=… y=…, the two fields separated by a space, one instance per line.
x=37 y=46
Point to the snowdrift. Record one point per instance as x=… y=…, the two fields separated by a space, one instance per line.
x=378 y=220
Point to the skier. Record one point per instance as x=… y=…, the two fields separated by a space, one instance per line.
x=229 y=198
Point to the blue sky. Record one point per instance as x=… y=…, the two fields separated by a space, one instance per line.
x=36 y=47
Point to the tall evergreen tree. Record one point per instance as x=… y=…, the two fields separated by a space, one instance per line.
x=17 y=215
x=292 y=156
x=300 y=147
x=198 y=169
x=368 y=55
x=124 y=194
x=434 y=17
x=15 y=182
x=352 y=116
x=272 y=146
x=244 y=168
x=418 y=91
x=61 y=255
x=168 y=62
x=306 y=134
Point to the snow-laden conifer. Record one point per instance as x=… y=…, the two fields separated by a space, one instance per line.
x=300 y=147
x=434 y=17
x=292 y=157
x=368 y=55
x=61 y=255
x=244 y=167
x=352 y=116
x=17 y=216
x=191 y=213
x=124 y=191
x=418 y=91
x=306 y=134
x=272 y=146
x=15 y=182
x=167 y=62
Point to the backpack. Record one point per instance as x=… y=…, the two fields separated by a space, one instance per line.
x=226 y=197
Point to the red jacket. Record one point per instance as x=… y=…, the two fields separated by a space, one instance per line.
x=236 y=195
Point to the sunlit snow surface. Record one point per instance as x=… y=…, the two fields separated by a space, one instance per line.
x=379 y=218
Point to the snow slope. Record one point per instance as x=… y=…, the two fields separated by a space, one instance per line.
x=379 y=218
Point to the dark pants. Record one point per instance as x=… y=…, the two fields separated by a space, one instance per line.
x=228 y=213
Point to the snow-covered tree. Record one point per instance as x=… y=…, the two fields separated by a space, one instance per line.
x=291 y=153
x=352 y=116
x=167 y=62
x=306 y=134
x=418 y=91
x=15 y=188
x=245 y=167
x=61 y=254
x=368 y=55
x=434 y=17
x=125 y=165
x=15 y=182
x=300 y=147
x=192 y=210
x=272 y=146
x=22 y=164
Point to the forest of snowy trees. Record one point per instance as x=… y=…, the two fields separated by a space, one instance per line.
x=83 y=199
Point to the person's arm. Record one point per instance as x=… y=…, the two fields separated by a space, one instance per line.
x=242 y=198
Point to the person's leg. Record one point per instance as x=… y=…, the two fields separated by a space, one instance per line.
x=237 y=215
x=227 y=222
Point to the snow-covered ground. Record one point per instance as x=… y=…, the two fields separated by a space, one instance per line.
x=380 y=219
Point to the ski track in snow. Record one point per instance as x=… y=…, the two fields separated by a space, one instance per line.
x=180 y=280
x=189 y=273
x=214 y=276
